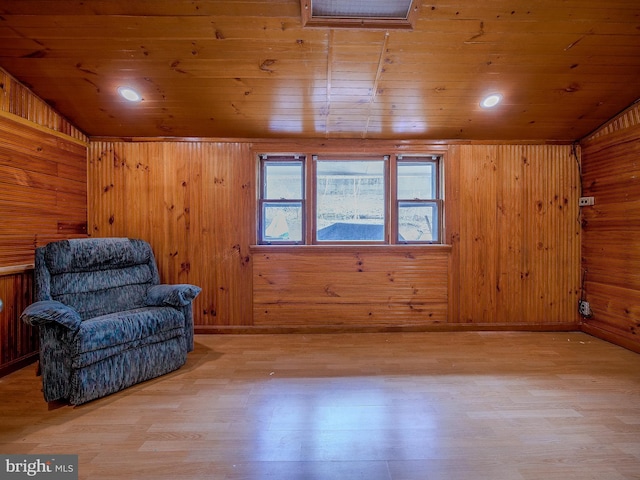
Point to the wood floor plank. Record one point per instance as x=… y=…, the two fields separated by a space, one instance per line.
x=380 y=406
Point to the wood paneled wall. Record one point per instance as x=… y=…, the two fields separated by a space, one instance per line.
x=43 y=174
x=43 y=189
x=43 y=197
x=361 y=287
x=18 y=341
x=611 y=230
x=519 y=235
x=512 y=227
x=194 y=202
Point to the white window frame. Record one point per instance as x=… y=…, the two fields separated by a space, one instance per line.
x=308 y=202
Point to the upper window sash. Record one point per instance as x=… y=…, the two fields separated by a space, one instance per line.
x=418 y=177
x=282 y=177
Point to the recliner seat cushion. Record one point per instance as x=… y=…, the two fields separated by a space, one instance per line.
x=102 y=337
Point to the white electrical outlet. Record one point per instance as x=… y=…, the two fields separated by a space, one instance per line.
x=584 y=308
x=586 y=201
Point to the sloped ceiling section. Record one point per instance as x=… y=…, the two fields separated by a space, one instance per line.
x=249 y=69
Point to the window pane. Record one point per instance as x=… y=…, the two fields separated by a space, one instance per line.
x=350 y=200
x=282 y=222
x=416 y=180
x=283 y=180
x=417 y=222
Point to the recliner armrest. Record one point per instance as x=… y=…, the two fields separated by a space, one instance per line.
x=178 y=295
x=40 y=313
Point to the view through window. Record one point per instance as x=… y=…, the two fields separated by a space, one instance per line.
x=350 y=200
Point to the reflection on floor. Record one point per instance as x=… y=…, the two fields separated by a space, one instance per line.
x=469 y=405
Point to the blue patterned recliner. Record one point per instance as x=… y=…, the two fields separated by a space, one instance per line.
x=105 y=321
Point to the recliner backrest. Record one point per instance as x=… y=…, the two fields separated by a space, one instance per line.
x=95 y=276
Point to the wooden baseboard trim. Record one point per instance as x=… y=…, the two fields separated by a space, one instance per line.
x=612 y=337
x=449 y=327
x=18 y=364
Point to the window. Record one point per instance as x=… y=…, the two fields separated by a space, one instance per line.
x=282 y=199
x=418 y=203
x=346 y=199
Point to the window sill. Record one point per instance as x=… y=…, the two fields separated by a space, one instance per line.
x=327 y=249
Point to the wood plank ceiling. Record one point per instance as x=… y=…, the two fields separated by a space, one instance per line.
x=249 y=69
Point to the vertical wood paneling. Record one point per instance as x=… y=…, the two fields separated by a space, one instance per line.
x=611 y=230
x=628 y=119
x=18 y=100
x=477 y=233
x=18 y=341
x=223 y=228
x=519 y=242
x=194 y=202
x=510 y=215
x=452 y=226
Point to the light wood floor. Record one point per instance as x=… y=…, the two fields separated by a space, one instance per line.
x=451 y=406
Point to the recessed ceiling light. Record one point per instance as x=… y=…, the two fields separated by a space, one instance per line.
x=129 y=93
x=491 y=100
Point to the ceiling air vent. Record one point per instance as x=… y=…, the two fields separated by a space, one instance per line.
x=359 y=13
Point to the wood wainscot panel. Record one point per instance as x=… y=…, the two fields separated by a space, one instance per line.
x=18 y=341
x=350 y=286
